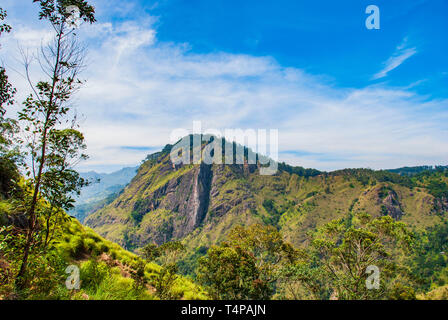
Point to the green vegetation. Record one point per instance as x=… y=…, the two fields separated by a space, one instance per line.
x=412 y=171
x=232 y=233
x=298 y=206
x=167 y=280
x=141 y=207
x=430 y=258
x=246 y=265
x=256 y=263
x=300 y=171
x=39 y=242
x=274 y=215
x=230 y=273
x=438 y=189
x=344 y=253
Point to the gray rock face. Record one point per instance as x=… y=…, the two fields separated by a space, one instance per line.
x=392 y=206
x=440 y=205
x=198 y=203
x=188 y=196
x=184 y=201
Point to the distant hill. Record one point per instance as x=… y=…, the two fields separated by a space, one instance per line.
x=412 y=171
x=103 y=189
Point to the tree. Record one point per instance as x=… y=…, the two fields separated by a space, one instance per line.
x=247 y=264
x=231 y=273
x=301 y=280
x=266 y=245
x=167 y=255
x=170 y=251
x=429 y=260
x=8 y=127
x=4 y=27
x=7 y=92
x=138 y=275
x=150 y=252
x=63 y=155
x=46 y=111
x=348 y=251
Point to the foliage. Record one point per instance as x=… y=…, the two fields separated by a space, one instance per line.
x=266 y=245
x=346 y=252
x=412 y=171
x=4 y=27
x=440 y=293
x=8 y=128
x=300 y=171
x=167 y=255
x=55 y=10
x=231 y=273
x=141 y=207
x=189 y=262
x=429 y=261
x=38 y=240
x=138 y=275
x=45 y=273
x=302 y=279
x=100 y=282
x=93 y=273
x=274 y=215
x=53 y=149
x=366 y=176
x=246 y=265
x=6 y=90
x=438 y=189
x=164 y=282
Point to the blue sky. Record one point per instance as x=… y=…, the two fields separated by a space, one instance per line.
x=339 y=94
x=322 y=37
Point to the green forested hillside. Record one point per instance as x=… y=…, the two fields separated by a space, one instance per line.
x=106 y=270
x=200 y=205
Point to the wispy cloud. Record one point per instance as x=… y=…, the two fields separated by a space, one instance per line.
x=401 y=54
x=139 y=89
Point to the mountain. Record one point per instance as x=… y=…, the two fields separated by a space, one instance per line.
x=103 y=189
x=200 y=203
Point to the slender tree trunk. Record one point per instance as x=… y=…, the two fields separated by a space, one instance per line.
x=20 y=282
x=47 y=229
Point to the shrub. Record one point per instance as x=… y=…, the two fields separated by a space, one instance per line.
x=93 y=273
x=76 y=246
x=116 y=287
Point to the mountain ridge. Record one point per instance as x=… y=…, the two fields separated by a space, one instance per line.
x=102 y=189
x=199 y=204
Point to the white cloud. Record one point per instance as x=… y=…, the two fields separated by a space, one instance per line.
x=139 y=89
x=31 y=38
x=401 y=54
